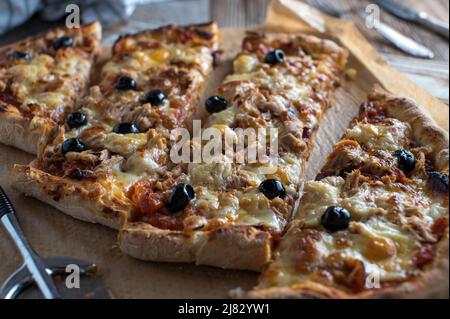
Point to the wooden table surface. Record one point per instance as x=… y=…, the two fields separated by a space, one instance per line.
x=432 y=74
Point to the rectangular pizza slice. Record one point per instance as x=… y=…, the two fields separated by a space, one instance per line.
x=224 y=212
x=40 y=79
x=374 y=224
x=120 y=132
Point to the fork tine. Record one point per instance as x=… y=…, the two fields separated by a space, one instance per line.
x=326 y=7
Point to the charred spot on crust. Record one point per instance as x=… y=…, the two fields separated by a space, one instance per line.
x=110 y=211
x=438 y=182
x=56 y=193
x=307 y=132
x=372 y=112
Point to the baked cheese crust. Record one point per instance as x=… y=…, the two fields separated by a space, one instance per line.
x=40 y=79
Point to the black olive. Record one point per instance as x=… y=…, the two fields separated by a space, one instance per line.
x=73 y=145
x=125 y=128
x=406 y=160
x=126 y=83
x=155 y=97
x=272 y=188
x=18 y=55
x=63 y=42
x=216 y=104
x=438 y=182
x=275 y=57
x=180 y=197
x=76 y=119
x=77 y=174
x=336 y=218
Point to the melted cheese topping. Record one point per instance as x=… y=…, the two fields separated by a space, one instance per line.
x=124 y=144
x=213 y=175
x=389 y=223
x=48 y=82
x=239 y=208
x=140 y=61
x=385 y=250
x=248 y=68
x=390 y=136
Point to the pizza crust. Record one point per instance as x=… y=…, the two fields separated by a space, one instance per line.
x=425 y=130
x=74 y=199
x=16 y=132
x=228 y=247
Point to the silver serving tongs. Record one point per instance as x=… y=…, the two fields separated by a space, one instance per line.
x=31 y=261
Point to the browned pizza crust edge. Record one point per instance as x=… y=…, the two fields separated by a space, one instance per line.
x=67 y=196
x=433 y=281
x=16 y=132
x=228 y=247
x=426 y=132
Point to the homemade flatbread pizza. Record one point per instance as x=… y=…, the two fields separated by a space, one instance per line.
x=373 y=224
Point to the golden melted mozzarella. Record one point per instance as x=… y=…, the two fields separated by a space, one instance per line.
x=384 y=235
x=47 y=81
x=124 y=144
x=389 y=136
x=144 y=162
x=248 y=68
x=255 y=210
x=214 y=175
x=367 y=200
x=139 y=61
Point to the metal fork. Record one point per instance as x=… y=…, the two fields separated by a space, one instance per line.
x=402 y=42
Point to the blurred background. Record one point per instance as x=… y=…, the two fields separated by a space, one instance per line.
x=127 y=16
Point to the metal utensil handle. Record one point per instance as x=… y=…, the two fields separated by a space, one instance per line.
x=32 y=261
x=5 y=204
x=404 y=43
x=434 y=24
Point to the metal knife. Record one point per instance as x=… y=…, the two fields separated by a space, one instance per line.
x=420 y=17
x=401 y=41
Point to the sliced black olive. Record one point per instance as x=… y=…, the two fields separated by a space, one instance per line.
x=438 y=182
x=63 y=42
x=76 y=119
x=73 y=145
x=406 y=160
x=336 y=218
x=272 y=188
x=216 y=104
x=275 y=57
x=181 y=196
x=126 y=83
x=125 y=128
x=156 y=97
x=77 y=174
x=18 y=55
